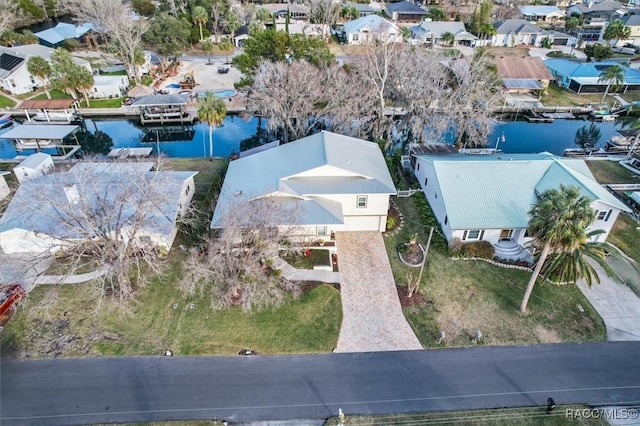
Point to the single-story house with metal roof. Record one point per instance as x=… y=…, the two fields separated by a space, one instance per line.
x=515 y=32
x=542 y=13
x=368 y=29
x=109 y=86
x=584 y=77
x=43 y=217
x=54 y=37
x=332 y=182
x=487 y=197
x=432 y=31
x=405 y=11
x=523 y=74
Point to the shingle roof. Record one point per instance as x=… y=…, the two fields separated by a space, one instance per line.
x=604 y=6
x=405 y=7
x=437 y=28
x=631 y=20
x=497 y=191
x=322 y=164
x=521 y=26
x=94 y=184
x=522 y=67
x=372 y=21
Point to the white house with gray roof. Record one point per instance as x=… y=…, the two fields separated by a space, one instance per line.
x=43 y=217
x=368 y=29
x=515 y=32
x=432 y=31
x=33 y=166
x=487 y=197
x=334 y=183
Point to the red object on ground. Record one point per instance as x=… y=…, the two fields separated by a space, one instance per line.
x=9 y=296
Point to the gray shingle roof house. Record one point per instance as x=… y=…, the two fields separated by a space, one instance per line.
x=368 y=29
x=514 y=32
x=432 y=31
x=334 y=183
x=405 y=11
x=487 y=197
x=98 y=190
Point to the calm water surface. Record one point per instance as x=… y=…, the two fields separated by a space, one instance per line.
x=237 y=133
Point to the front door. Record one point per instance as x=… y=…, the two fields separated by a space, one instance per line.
x=506 y=234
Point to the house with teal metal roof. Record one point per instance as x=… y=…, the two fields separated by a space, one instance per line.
x=487 y=197
x=585 y=77
x=329 y=181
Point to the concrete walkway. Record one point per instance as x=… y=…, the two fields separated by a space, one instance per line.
x=70 y=279
x=294 y=274
x=618 y=306
x=372 y=318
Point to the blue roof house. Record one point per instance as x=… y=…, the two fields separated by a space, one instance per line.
x=585 y=77
x=317 y=185
x=53 y=37
x=487 y=197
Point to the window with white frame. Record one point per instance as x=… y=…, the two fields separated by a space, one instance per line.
x=354 y=37
x=321 y=231
x=361 y=201
x=601 y=215
x=474 y=234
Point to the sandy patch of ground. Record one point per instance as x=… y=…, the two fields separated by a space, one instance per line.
x=207 y=76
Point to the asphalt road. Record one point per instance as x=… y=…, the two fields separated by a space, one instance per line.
x=101 y=390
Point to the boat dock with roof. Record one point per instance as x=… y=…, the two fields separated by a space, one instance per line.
x=61 y=137
x=52 y=111
x=161 y=109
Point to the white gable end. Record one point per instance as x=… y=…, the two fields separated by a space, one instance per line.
x=326 y=171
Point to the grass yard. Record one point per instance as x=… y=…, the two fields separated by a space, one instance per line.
x=6 y=102
x=55 y=94
x=607 y=171
x=462 y=297
x=318 y=257
x=73 y=327
x=525 y=416
x=106 y=103
x=626 y=236
x=557 y=96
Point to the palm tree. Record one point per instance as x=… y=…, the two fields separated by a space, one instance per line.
x=558 y=222
x=207 y=46
x=448 y=38
x=213 y=111
x=613 y=74
x=226 y=46
x=40 y=68
x=199 y=16
x=570 y=266
x=588 y=136
x=616 y=31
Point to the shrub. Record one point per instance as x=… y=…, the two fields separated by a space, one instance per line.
x=483 y=249
x=455 y=246
x=391 y=223
x=428 y=219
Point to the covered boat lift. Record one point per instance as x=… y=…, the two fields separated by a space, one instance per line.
x=51 y=110
x=41 y=136
x=162 y=109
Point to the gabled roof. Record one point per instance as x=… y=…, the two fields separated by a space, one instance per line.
x=282 y=7
x=604 y=6
x=631 y=20
x=372 y=22
x=531 y=67
x=520 y=26
x=589 y=72
x=360 y=7
x=437 y=28
x=34 y=160
x=497 y=191
x=44 y=52
x=306 y=170
x=405 y=7
x=94 y=183
x=540 y=10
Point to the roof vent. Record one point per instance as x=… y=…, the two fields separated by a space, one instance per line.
x=73 y=196
x=238 y=193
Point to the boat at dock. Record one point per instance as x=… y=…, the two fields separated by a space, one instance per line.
x=6 y=120
x=537 y=117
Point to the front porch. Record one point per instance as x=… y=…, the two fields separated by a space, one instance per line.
x=509 y=249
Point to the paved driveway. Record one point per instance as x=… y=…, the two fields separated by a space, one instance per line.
x=618 y=306
x=372 y=318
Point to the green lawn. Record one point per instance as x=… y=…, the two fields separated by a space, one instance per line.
x=626 y=236
x=525 y=416
x=607 y=171
x=106 y=103
x=317 y=257
x=6 y=102
x=463 y=297
x=74 y=328
x=121 y=72
x=55 y=94
x=557 y=96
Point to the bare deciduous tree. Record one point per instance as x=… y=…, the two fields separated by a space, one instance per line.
x=126 y=33
x=9 y=15
x=100 y=13
x=119 y=217
x=300 y=99
x=237 y=265
x=325 y=13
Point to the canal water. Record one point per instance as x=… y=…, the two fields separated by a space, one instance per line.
x=238 y=134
